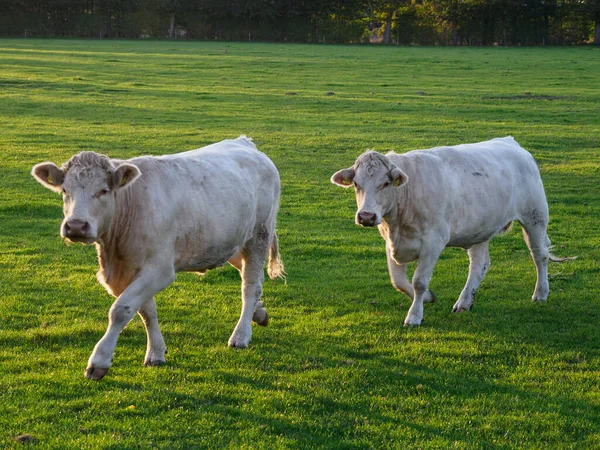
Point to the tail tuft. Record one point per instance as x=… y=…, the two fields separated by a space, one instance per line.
x=556 y=259
x=275 y=268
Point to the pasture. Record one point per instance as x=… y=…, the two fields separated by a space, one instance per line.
x=335 y=368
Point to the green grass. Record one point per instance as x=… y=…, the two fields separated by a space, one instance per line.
x=335 y=368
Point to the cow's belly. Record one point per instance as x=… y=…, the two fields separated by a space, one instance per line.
x=208 y=251
x=469 y=237
x=209 y=260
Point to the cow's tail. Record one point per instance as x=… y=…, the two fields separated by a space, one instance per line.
x=275 y=268
x=557 y=259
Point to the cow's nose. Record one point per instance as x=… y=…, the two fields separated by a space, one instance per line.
x=366 y=219
x=76 y=228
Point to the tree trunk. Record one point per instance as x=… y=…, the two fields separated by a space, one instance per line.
x=388 y=27
x=597 y=33
x=454 y=34
x=172 y=26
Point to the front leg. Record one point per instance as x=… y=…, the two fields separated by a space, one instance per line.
x=479 y=264
x=136 y=295
x=420 y=284
x=399 y=279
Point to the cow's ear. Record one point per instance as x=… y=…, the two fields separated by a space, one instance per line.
x=49 y=175
x=124 y=175
x=399 y=178
x=343 y=177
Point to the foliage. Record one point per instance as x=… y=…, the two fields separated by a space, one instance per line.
x=427 y=22
x=335 y=368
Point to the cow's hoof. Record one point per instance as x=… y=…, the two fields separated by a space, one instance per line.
x=154 y=362
x=237 y=345
x=539 y=299
x=237 y=341
x=431 y=298
x=412 y=323
x=261 y=317
x=95 y=373
x=458 y=308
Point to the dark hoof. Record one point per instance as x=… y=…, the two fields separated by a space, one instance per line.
x=264 y=322
x=154 y=363
x=260 y=316
x=95 y=373
x=433 y=297
x=237 y=346
x=411 y=325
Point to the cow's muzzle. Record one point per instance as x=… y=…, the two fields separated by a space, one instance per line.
x=366 y=219
x=77 y=230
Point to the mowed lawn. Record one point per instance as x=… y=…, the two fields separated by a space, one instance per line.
x=335 y=368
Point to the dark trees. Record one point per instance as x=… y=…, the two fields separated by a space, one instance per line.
x=427 y=22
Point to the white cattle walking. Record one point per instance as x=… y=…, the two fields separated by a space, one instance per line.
x=460 y=196
x=151 y=217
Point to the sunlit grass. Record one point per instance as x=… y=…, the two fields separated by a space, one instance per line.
x=335 y=368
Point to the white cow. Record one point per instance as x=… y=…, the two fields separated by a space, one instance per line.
x=151 y=217
x=461 y=196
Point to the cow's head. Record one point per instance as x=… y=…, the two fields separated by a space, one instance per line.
x=374 y=179
x=89 y=183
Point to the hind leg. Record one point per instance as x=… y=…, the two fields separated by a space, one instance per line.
x=253 y=264
x=156 y=349
x=260 y=315
x=479 y=257
x=534 y=232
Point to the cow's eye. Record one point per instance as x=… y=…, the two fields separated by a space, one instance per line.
x=357 y=186
x=65 y=193
x=384 y=185
x=103 y=192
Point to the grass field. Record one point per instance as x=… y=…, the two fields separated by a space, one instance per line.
x=335 y=368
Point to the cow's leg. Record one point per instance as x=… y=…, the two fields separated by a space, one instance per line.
x=420 y=284
x=156 y=349
x=400 y=281
x=479 y=258
x=260 y=315
x=136 y=295
x=539 y=246
x=253 y=275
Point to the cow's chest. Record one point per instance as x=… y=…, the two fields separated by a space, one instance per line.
x=404 y=244
x=405 y=250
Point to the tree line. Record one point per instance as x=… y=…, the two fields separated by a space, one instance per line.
x=421 y=22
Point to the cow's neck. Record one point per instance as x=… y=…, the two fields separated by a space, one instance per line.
x=115 y=272
x=400 y=212
x=400 y=219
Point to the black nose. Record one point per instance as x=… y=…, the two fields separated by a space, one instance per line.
x=366 y=219
x=76 y=228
